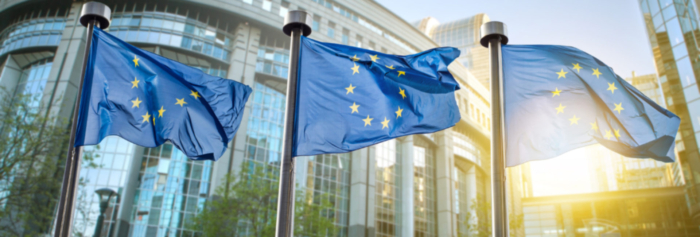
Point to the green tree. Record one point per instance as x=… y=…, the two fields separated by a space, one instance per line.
x=478 y=220
x=246 y=206
x=32 y=152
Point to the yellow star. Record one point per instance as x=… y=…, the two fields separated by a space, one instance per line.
x=146 y=117
x=354 y=108
x=136 y=103
x=560 y=109
x=596 y=73
x=160 y=112
x=390 y=67
x=611 y=87
x=135 y=83
x=594 y=126
x=402 y=73
x=577 y=67
x=574 y=120
x=556 y=92
x=385 y=123
x=617 y=132
x=195 y=94
x=355 y=58
x=562 y=73
x=136 y=61
x=180 y=102
x=398 y=112
x=403 y=93
x=154 y=120
x=350 y=89
x=355 y=69
x=368 y=121
x=608 y=134
x=618 y=108
x=374 y=58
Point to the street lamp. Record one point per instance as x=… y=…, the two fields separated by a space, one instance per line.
x=105 y=194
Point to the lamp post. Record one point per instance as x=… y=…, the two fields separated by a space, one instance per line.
x=105 y=194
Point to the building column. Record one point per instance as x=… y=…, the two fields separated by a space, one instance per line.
x=10 y=73
x=406 y=210
x=362 y=184
x=241 y=69
x=444 y=169
x=64 y=78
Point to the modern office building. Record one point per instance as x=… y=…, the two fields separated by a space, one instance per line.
x=420 y=185
x=463 y=34
x=672 y=28
x=641 y=212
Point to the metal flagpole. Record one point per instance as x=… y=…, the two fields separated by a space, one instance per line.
x=92 y=14
x=493 y=35
x=295 y=24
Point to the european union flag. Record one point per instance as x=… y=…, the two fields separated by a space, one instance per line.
x=559 y=98
x=350 y=98
x=148 y=100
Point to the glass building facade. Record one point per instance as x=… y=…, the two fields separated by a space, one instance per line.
x=403 y=187
x=672 y=27
x=655 y=212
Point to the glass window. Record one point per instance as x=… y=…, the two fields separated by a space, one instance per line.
x=189 y=28
x=675 y=34
x=175 y=40
x=143 y=36
x=217 y=52
x=691 y=93
x=178 y=26
x=168 y=24
x=153 y=37
x=694 y=110
x=658 y=20
x=207 y=48
x=157 y=23
x=267 y=5
x=284 y=9
x=679 y=51
x=669 y=12
x=248 y=1
x=685 y=72
x=186 y=42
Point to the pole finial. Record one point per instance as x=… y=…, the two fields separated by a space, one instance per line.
x=295 y=19
x=95 y=11
x=493 y=29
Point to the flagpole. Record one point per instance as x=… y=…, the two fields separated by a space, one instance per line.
x=92 y=14
x=296 y=23
x=493 y=35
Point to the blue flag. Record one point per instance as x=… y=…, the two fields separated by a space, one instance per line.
x=350 y=98
x=148 y=100
x=559 y=98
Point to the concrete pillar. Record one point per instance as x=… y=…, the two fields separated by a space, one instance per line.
x=67 y=67
x=406 y=186
x=444 y=163
x=241 y=69
x=10 y=73
x=362 y=188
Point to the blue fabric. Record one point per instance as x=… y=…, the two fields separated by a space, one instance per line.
x=326 y=122
x=148 y=100
x=610 y=111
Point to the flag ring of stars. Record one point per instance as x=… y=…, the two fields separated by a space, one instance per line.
x=574 y=120
x=351 y=90
x=137 y=102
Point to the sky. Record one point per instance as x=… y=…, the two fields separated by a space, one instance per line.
x=612 y=31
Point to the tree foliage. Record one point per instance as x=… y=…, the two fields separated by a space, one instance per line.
x=32 y=153
x=246 y=206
